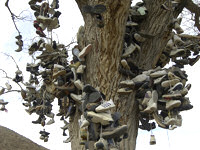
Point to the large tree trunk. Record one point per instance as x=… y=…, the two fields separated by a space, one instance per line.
x=104 y=60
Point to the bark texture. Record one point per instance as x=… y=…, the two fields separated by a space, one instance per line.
x=104 y=60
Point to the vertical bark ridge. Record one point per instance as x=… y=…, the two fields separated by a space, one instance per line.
x=157 y=26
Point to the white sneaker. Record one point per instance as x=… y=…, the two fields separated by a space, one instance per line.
x=127 y=83
x=85 y=51
x=107 y=105
x=83 y=122
x=129 y=50
x=78 y=84
x=169 y=121
x=158 y=73
x=172 y=104
x=169 y=83
x=147 y=97
x=80 y=69
x=51 y=121
x=8 y=86
x=76 y=98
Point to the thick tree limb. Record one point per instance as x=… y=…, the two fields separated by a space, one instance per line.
x=193 y=8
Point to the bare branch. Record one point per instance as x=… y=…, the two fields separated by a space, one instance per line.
x=193 y=8
x=10 y=78
x=5 y=74
x=12 y=15
x=12 y=59
x=189 y=36
x=12 y=91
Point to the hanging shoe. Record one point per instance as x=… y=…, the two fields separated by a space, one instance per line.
x=101 y=144
x=152 y=104
x=76 y=98
x=152 y=140
x=79 y=85
x=169 y=121
x=107 y=105
x=169 y=83
x=40 y=32
x=8 y=86
x=124 y=91
x=129 y=50
x=51 y=121
x=158 y=73
x=125 y=64
x=170 y=104
x=172 y=95
x=19 y=49
x=177 y=40
x=147 y=97
x=110 y=132
x=85 y=51
x=103 y=118
x=68 y=140
x=127 y=83
x=83 y=122
x=80 y=69
x=2 y=102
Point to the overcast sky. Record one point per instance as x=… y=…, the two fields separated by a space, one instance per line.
x=18 y=120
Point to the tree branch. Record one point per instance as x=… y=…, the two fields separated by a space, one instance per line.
x=12 y=91
x=12 y=59
x=193 y=8
x=5 y=74
x=12 y=15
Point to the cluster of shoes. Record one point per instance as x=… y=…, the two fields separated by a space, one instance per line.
x=180 y=50
x=19 y=42
x=60 y=80
x=132 y=40
x=3 y=105
x=97 y=124
x=160 y=89
x=3 y=91
x=44 y=135
x=160 y=92
x=46 y=16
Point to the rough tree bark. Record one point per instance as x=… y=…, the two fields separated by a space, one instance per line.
x=104 y=60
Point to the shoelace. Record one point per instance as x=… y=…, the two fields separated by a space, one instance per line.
x=106 y=105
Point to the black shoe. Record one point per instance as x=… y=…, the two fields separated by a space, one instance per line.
x=93 y=130
x=94 y=97
x=89 y=89
x=57 y=14
x=116 y=116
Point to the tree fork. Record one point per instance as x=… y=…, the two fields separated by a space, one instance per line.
x=104 y=59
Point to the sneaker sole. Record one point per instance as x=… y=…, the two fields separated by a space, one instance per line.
x=116 y=133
